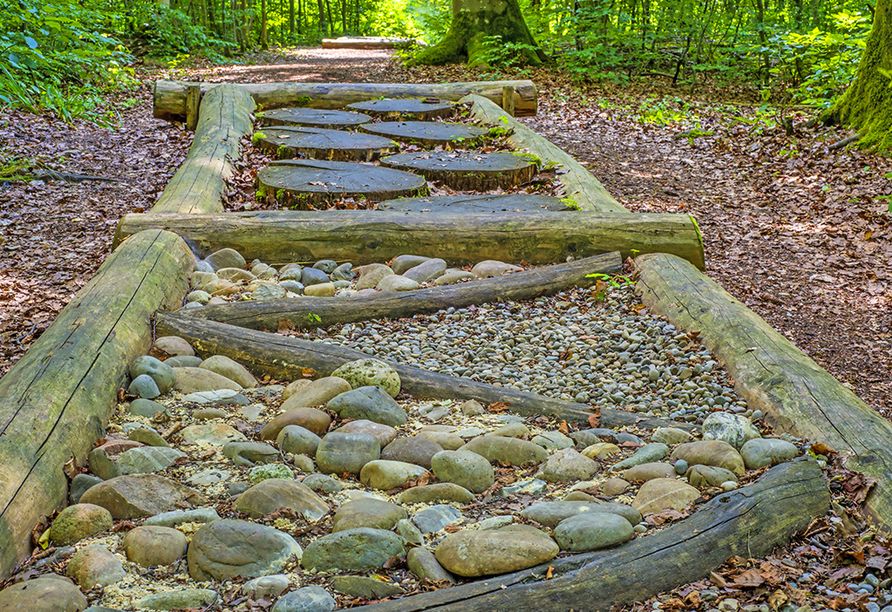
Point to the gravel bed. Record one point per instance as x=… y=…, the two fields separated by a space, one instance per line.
x=591 y=346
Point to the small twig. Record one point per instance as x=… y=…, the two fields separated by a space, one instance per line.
x=844 y=142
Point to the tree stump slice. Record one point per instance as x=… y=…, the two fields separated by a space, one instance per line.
x=312 y=117
x=301 y=183
x=426 y=133
x=467 y=170
x=416 y=108
x=518 y=202
x=318 y=143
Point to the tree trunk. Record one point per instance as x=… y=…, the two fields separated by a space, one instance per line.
x=291 y=18
x=264 y=41
x=473 y=21
x=867 y=105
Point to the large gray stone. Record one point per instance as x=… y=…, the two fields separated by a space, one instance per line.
x=145 y=407
x=178 y=600
x=507 y=450
x=765 y=452
x=228 y=548
x=401 y=263
x=353 y=550
x=233 y=370
x=365 y=586
x=274 y=494
x=464 y=468
x=79 y=521
x=339 y=452
x=441 y=491
x=370 y=372
x=499 y=551
x=140 y=495
x=709 y=476
x=226 y=258
x=649 y=453
x=48 y=593
x=178 y=517
x=664 y=494
x=426 y=271
x=95 y=565
x=434 y=518
x=369 y=402
x=193 y=380
x=592 y=531
x=710 y=452
x=566 y=465
x=251 y=453
x=386 y=475
x=298 y=440
x=367 y=512
x=162 y=373
x=551 y=514
x=423 y=563
x=414 y=449
x=307 y=599
x=370 y=275
x=385 y=433
x=316 y=393
x=154 y=545
x=735 y=429
x=148 y=459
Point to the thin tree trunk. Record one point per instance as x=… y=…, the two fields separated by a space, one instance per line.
x=264 y=42
x=291 y=18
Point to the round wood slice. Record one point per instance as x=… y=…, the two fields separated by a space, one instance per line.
x=467 y=170
x=318 y=143
x=516 y=202
x=425 y=132
x=416 y=108
x=312 y=117
x=301 y=183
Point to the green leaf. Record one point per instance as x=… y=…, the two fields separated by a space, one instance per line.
x=32 y=44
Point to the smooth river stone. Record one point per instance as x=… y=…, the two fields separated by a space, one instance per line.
x=735 y=429
x=401 y=263
x=371 y=403
x=423 y=563
x=315 y=420
x=231 y=369
x=225 y=549
x=499 y=551
x=193 y=380
x=298 y=440
x=370 y=275
x=307 y=599
x=709 y=476
x=464 y=468
x=507 y=450
x=47 y=593
x=339 y=452
x=214 y=434
x=435 y=518
x=710 y=452
x=447 y=440
x=426 y=271
x=162 y=373
x=316 y=393
x=386 y=475
x=395 y=282
x=566 y=465
x=441 y=491
x=415 y=449
x=649 y=453
x=370 y=372
x=148 y=459
x=154 y=545
x=79 y=521
x=274 y=494
x=551 y=514
x=649 y=471
x=670 y=435
x=353 y=550
x=367 y=512
x=140 y=495
x=765 y=452
x=663 y=494
x=385 y=433
x=95 y=565
x=592 y=531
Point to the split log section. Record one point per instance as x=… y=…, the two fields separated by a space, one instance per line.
x=748 y=522
x=374 y=236
x=287 y=358
x=199 y=184
x=795 y=393
x=57 y=399
x=170 y=96
x=396 y=304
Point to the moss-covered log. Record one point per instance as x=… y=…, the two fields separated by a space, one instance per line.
x=748 y=522
x=795 y=394
x=579 y=184
x=308 y=312
x=170 y=96
x=55 y=402
x=280 y=237
x=198 y=186
x=471 y=34
x=867 y=104
x=287 y=358
x=367 y=42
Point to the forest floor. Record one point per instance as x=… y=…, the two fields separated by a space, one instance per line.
x=797 y=231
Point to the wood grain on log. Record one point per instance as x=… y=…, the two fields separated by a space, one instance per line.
x=300 y=183
x=312 y=117
x=199 y=184
x=280 y=237
x=748 y=522
x=467 y=170
x=56 y=400
x=501 y=203
x=795 y=394
x=420 y=109
x=427 y=133
x=336 y=145
x=287 y=358
x=170 y=96
x=395 y=304
x=578 y=182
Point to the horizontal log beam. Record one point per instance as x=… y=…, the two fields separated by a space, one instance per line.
x=748 y=522
x=579 y=184
x=367 y=42
x=287 y=358
x=375 y=236
x=796 y=395
x=170 y=96
x=309 y=312
x=55 y=402
x=198 y=186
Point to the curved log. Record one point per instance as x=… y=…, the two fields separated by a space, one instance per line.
x=748 y=522
x=458 y=237
x=795 y=394
x=55 y=402
x=199 y=184
x=396 y=304
x=170 y=96
x=578 y=182
x=287 y=358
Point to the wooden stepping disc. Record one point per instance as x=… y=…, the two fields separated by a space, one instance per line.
x=425 y=132
x=318 y=143
x=312 y=117
x=517 y=202
x=417 y=108
x=467 y=170
x=300 y=183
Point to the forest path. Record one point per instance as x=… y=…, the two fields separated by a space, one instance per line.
x=792 y=229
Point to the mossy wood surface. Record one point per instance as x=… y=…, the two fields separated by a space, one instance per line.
x=426 y=132
x=415 y=108
x=170 y=96
x=337 y=145
x=56 y=400
x=366 y=42
x=579 y=184
x=300 y=183
x=312 y=117
x=467 y=170
x=287 y=358
x=199 y=183
x=280 y=237
x=795 y=394
x=749 y=522
x=266 y=314
x=502 y=203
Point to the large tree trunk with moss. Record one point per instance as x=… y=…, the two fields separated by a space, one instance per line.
x=867 y=105
x=473 y=21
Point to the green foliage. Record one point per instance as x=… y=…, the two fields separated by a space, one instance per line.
x=504 y=55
